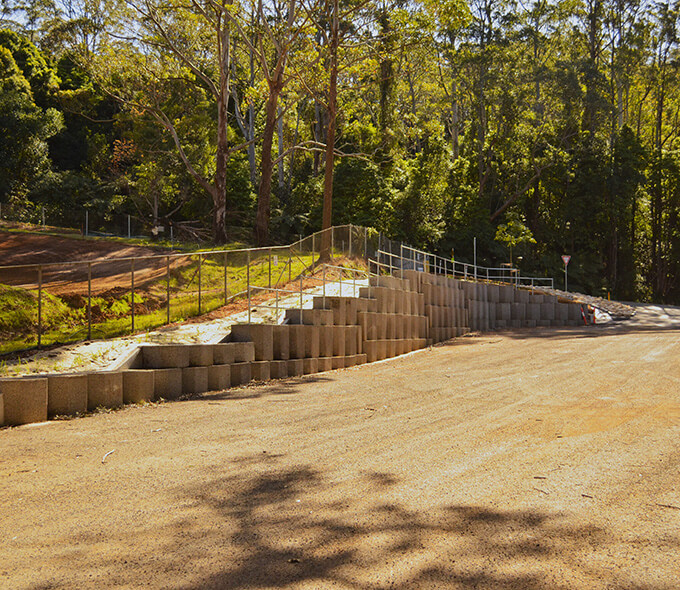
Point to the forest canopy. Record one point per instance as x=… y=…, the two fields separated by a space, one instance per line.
x=540 y=128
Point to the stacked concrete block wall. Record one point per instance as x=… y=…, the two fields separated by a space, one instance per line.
x=444 y=304
x=392 y=316
x=394 y=320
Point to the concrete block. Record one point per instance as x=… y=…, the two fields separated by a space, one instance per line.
x=351 y=340
x=296 y=342
x=339 y=333
x=356 y=331
x=311 y=317
x=67 y=395
x=381 y=320
x=219 y=377
x=522 y=296
x=281 y=342
x=351 y=310
x=310 y=366
x=338 y=362
x=223 y=354
x=167 y=383
x=543 y=323
x=104 y=390
x=518 y=311
x=244 y=352
x=200 y=355
x=399 y=326
x=241 y=373
x=369 y=329
x=165 y=356
x=391 y=347
x=24 y=400
x=575 y=313
x=339 y=307
x=260 y=370
x=390 y=327
x=326 y=341
x=261 y=335
x=138 y=385
x=296 y=367
x=371 y=348
x=359 y=359
x=278 y=369
x=533 y=311
x=562 y=311
x=386 y=301
x=312 y=341
x=548 y=311
x=194 y=380
x=325 y=363
x=494 y=293
x=350 y=361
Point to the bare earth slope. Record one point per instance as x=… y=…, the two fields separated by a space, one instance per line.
x=538 y=459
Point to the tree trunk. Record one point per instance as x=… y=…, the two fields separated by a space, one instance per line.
x=264 y=192
x=222 y=155
x=330 y=137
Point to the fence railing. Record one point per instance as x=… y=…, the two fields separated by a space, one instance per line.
x=410 y=258
x=59 y=303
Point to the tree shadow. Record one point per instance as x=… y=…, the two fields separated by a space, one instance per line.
x=290 y=526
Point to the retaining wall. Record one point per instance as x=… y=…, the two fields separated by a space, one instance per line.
x=393 y=315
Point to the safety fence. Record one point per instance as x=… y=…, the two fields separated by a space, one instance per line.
x=58 y=303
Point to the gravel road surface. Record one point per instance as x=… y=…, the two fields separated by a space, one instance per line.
x=528 y=459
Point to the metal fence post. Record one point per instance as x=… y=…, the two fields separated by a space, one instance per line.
x=290 y=264
x=167 y=278
x=248 y=281
x=225 y=279
x=350 y=240
x=132 y=293
x=323 y=272
x=366 y=243
x=200 y=261
x=332 y=241
x=39 y=305
x=300 y=290
x=270 y=268
x=89 y=300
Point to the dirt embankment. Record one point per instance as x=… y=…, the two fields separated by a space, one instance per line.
x=56 y=253
x=539 y=459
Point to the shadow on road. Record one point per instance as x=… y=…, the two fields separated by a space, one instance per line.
x=289 y=526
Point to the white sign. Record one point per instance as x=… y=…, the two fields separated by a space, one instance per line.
x=566 y=259
x=276 y=260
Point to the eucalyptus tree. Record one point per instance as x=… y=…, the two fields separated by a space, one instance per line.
x=173 y=61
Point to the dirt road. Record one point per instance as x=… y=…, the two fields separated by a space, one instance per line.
x=540 y=459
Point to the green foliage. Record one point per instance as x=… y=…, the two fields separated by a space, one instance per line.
x=24 y=129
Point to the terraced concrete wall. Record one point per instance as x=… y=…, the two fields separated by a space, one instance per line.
x=392 y=316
